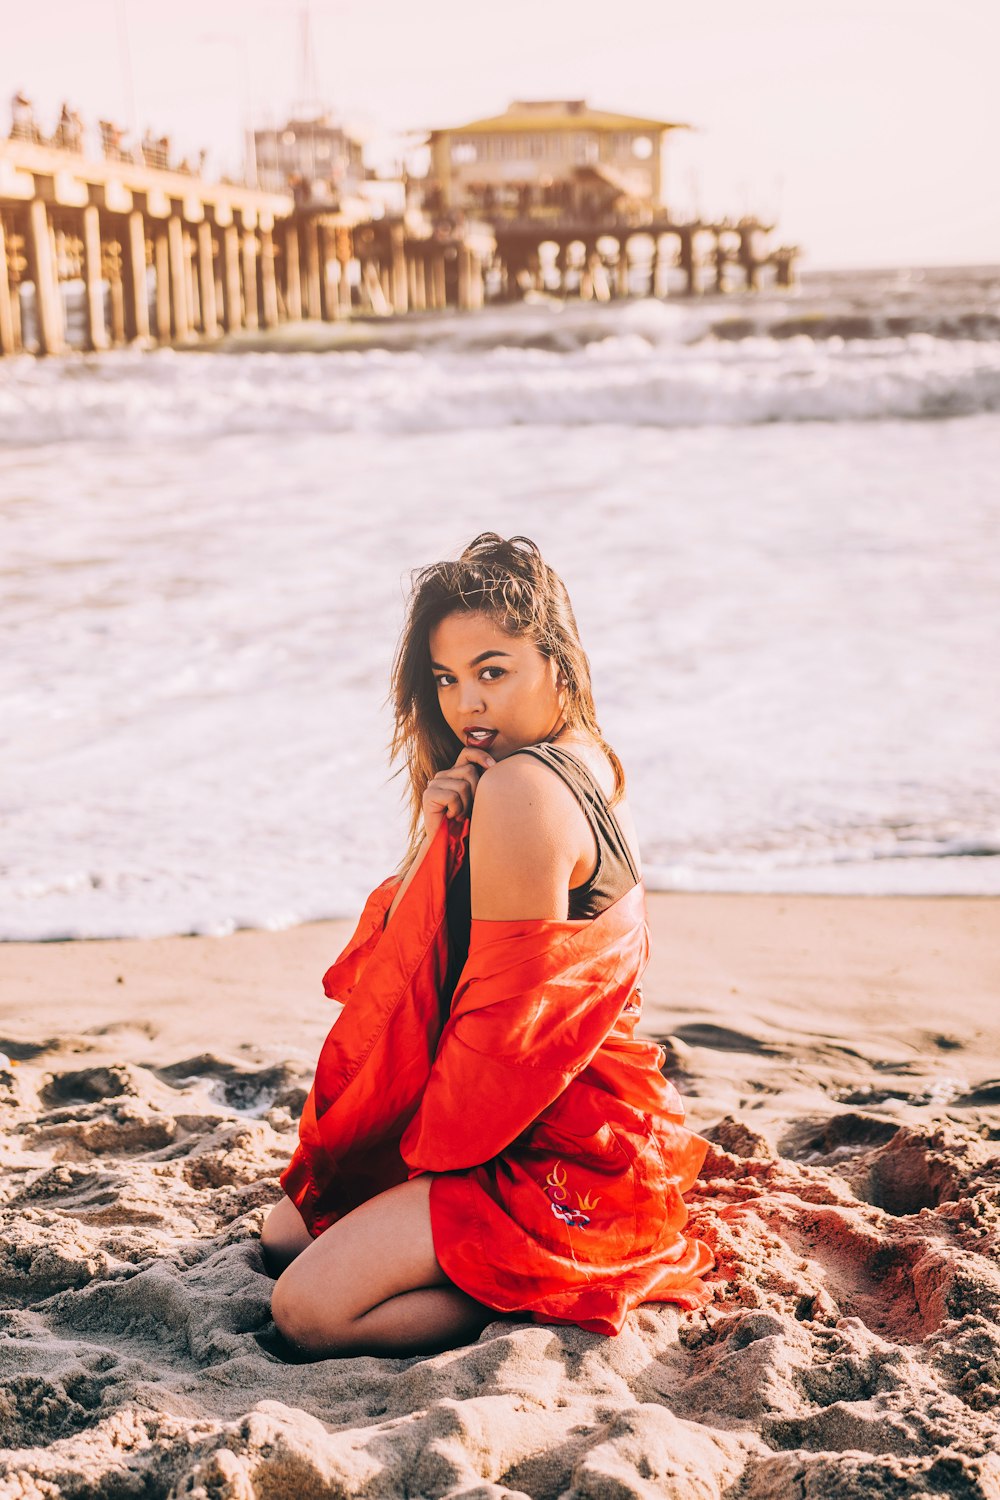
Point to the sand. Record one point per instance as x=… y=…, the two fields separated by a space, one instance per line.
x=843 y=1056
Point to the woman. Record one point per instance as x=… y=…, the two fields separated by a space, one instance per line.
x=485 y=1135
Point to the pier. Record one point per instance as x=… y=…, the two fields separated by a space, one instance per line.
x=160 y=256
x=145 y=252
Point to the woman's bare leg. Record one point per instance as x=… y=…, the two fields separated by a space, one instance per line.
x=284 y=1236
x=371 y=1283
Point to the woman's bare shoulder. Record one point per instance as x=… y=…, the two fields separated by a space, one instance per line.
x=521 y=843
x=525 y=794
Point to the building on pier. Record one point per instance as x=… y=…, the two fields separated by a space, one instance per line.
x=547 y=159
x=321 y=164
x=576 y=200
x=315 y=154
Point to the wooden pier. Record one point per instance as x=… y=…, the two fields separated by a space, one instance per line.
x=160 y=256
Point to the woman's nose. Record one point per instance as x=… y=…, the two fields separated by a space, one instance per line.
x=470 y=699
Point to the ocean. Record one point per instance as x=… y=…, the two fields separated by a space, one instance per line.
x=778 y=517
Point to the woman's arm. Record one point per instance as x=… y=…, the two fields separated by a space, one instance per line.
x=523 y=843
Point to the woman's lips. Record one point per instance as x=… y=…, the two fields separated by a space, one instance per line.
x=482 y=741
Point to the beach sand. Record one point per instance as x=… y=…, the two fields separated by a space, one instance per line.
x=843 y=1056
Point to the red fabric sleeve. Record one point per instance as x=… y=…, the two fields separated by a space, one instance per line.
x=376 y=1057
x=533 y=1004
x=343 y=974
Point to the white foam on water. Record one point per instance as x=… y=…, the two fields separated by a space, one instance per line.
x=621 y=379
x=791 y=621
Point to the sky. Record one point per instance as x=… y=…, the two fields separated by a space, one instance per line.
x=867 y=128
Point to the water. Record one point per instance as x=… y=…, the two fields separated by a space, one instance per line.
x=781 y=547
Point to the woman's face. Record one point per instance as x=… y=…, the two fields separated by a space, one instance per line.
x=489 y=680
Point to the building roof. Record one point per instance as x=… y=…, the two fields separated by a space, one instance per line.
x=558 y=114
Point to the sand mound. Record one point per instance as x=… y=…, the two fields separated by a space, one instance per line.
x=853 y=1348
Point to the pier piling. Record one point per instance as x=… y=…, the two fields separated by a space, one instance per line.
x=248 y=249
x=293 y=282
x=206 y=280
x=232 y=300
x=400 y=286
x=178 y=293
x=93 y=276
x=42 y=261
x=268 y=280
x=8 y=340
x=313 y=286
x=136 y=296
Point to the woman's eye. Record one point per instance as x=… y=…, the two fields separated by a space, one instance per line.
x=445 y=679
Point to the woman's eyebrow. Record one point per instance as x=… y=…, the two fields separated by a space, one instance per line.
x=474 y=662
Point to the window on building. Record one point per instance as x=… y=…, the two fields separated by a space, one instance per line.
x=642 y=147
x=462 y=153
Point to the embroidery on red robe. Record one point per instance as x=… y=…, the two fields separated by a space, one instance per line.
x=555 y=1185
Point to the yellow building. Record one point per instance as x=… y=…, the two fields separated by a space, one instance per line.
x=550 y=159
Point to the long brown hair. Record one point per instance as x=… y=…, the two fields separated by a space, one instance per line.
x=511 y=583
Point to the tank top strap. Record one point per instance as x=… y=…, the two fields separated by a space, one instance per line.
x=592 y=800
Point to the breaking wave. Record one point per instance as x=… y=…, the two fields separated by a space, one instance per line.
x=623 y=378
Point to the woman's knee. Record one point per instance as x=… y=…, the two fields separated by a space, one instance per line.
x=289 y=1314
x=293 y=1310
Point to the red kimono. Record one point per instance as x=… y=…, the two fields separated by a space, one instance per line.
x=559 y=1151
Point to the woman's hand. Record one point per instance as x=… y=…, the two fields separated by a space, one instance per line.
x=450 y=793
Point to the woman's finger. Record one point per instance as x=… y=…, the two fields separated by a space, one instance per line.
x=453 y=792
x=472 y=756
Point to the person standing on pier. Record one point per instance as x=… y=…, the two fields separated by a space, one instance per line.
x=22 y=126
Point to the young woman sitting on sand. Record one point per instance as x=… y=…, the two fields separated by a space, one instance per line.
x=485 y=1134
